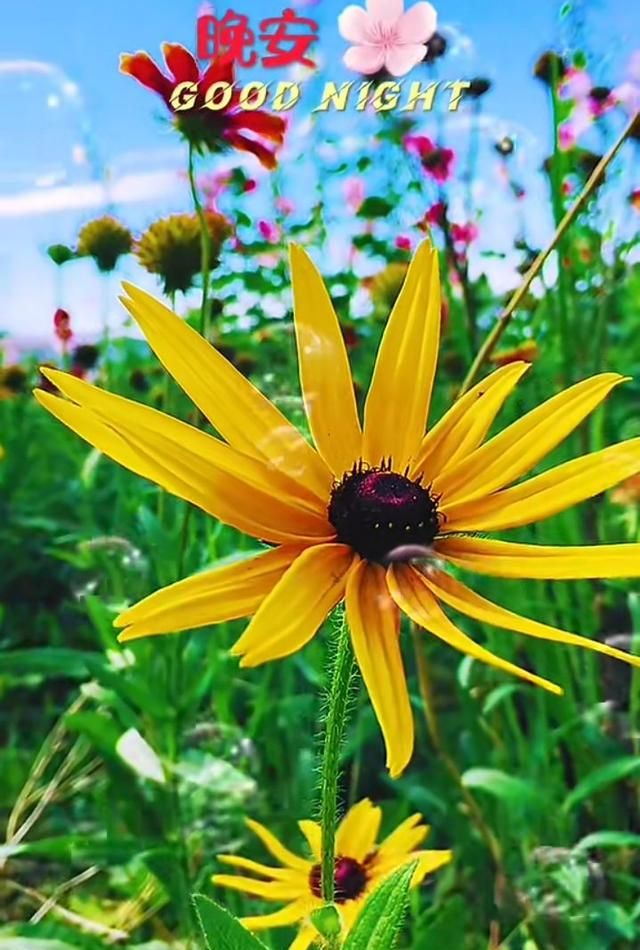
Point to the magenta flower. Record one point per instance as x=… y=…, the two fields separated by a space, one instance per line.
x=269 y=231
x=404 y=243
x=385 y=36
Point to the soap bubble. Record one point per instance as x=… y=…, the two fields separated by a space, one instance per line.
x=45 y=137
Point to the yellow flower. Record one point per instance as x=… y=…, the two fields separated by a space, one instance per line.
x=385 y=286
x=104 y=239
x=377 y=512
x=172 y=247
x=13 y=381
x=360 y=866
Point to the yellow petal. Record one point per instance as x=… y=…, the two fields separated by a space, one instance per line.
x=464 y=426
x=116 y=409
x=510 y=559
x=269 y=890
x=304 y=939
x=290 y=914
x=277 y=849
x=406 y=837
x=358 y=830
x=350 y=911
x=547 y=494
x=226 y=593
x=291 y=614
x=515 y=451
x=226 y=484
x=400 y=393
x=90 y=427
x=239 y=412
x=412 y=595
x=313 y=833
x=325 y=374
x=460 y=597
x=246 y=864
x=374 y=625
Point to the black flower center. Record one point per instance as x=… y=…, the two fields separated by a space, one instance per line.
x=382 y=515
x=349 y=879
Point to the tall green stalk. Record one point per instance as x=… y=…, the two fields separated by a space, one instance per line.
x=205 y=308
x=338 y=702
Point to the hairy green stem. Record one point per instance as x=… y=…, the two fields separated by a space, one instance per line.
x=340 y=682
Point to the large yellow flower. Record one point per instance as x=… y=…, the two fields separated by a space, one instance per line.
x=376 y=513
x=360 y=866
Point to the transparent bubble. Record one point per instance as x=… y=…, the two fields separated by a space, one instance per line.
x=45 y=136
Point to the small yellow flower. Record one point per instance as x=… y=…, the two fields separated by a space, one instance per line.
x=527 y=351
x=628 y=492
x=106 y=240
x=13 y=381
x=360 y=866
x=172 y=248
x=385 y=286
x=379 y=512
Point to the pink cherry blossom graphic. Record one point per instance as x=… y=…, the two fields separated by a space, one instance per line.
x=385 y=36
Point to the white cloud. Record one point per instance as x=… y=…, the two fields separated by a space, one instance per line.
x=126 y=189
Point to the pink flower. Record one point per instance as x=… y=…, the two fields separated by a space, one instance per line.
x=269 y=231
x=464 y=234
x=575 y=84
x=403 y=243
x=354 y=194
x=579 y=122
x=284 y=205
x=385 y=36
x=627 y=94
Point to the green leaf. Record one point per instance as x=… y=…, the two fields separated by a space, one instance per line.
x=379 y=921
x=375 y=208
x=327 y=921
x=222 y=931
x=598 y=779
x=29 y=943
x=448 y=925
x=78 y=848
x=509 y=789
x=609 y=839
x=50 y=661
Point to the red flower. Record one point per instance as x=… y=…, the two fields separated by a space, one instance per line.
x=206 y=129
x=436 y=214
x=464 y=234
x=62 y=325
x=436 y=161
x=403 y=243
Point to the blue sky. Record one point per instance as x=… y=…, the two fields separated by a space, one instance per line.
x=72 y=121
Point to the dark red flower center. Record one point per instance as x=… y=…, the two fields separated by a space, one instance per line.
x=382 y=515
x=349 y=879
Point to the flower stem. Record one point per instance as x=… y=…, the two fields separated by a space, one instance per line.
x=338 y=702
x=205 y=307
x=505 y=316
